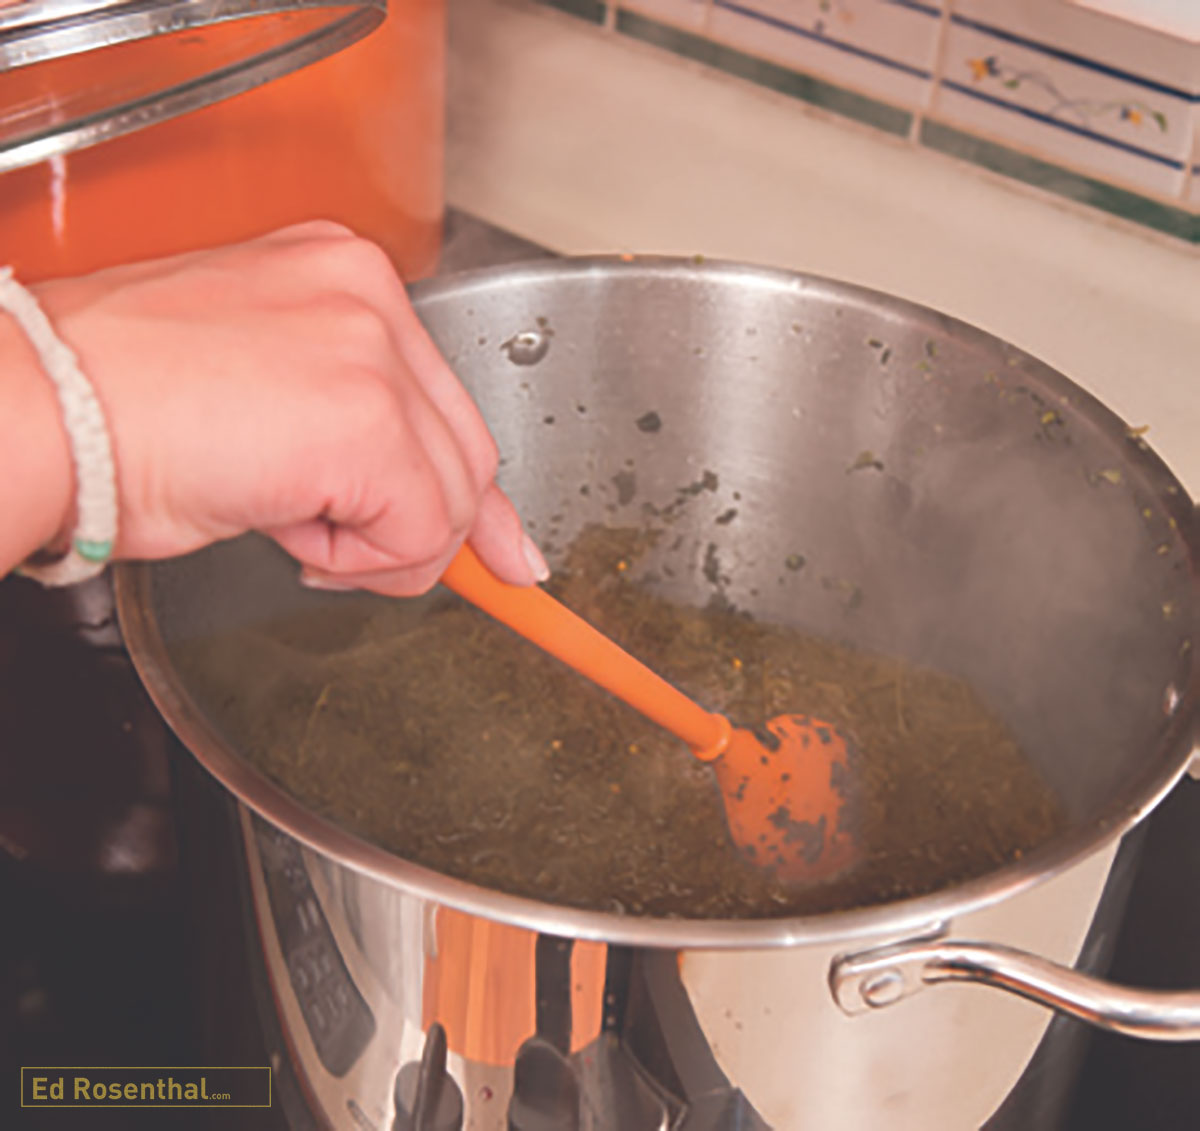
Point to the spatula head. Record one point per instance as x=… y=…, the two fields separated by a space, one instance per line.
x=789 y=793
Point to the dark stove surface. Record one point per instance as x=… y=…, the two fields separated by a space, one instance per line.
x=104 y=928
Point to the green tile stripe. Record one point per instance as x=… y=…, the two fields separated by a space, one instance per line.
x=1062 y=182
x=817 y=92
x=591 y=10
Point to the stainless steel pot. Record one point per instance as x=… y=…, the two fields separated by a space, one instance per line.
x=77 y=112
x=1006 y=527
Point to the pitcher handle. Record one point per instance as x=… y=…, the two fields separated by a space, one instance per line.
x=874 y=979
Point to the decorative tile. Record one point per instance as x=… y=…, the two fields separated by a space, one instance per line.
x=1065 y=107
x=884 y=48
x=1174 y=221
x=688 y=14
x=1093 y=38
x=806 y=88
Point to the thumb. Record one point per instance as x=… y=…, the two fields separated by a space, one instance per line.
x=501 y=542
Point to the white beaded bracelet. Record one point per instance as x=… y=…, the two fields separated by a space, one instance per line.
x=96 y=487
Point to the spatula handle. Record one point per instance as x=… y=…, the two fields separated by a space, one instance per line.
x=532 y=613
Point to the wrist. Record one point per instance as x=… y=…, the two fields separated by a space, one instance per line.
x=38 y=482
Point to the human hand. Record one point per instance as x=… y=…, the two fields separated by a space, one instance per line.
x=285 y=385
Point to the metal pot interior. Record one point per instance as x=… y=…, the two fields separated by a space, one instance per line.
x=953 y=501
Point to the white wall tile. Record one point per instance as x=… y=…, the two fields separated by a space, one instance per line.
x=1064 y=108
x=1050 y=144
x=1180 y=18
x=1093 y=35
x=883 y=49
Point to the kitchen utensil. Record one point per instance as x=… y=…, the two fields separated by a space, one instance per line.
x=904 y=482
x=784 y=787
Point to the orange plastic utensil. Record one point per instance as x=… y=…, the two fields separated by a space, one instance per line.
x=786 y=787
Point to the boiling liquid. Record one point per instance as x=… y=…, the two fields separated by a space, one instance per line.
x=459 y=746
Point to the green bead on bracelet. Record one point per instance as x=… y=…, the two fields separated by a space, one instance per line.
x=93 y=551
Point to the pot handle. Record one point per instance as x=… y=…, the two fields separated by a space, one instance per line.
x=874 y=979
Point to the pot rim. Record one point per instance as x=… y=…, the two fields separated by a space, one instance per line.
x=1179 y=742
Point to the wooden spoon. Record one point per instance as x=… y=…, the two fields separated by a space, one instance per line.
x=786 y=786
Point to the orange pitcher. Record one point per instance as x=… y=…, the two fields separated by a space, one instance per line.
x=355 y=137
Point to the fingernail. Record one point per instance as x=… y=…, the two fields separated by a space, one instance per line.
x=533 y=556
x=325 y=584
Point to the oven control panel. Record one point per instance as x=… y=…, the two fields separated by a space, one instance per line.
x=337 y=1018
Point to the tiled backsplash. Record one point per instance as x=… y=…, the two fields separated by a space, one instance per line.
x=1051 y=92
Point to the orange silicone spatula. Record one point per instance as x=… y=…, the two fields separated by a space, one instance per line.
x=785 y=786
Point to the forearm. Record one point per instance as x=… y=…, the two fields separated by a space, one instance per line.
x=282 y=385
x=36 y=479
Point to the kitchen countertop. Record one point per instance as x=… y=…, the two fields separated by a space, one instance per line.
x=565 y=134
